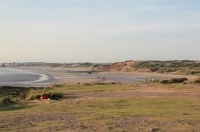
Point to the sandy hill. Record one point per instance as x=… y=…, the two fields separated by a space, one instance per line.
x=126 y=66
x=173 y=66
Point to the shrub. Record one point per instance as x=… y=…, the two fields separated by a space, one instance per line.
x=6 y=101
x=23 y=95
x=37 y=96
x=178 y=80
x=197 y=80
x=34 y=97
x=195 y=72
x=57 y=85
x=59 y=95
x=165 y=81
x=154 y=69
x=174 y=80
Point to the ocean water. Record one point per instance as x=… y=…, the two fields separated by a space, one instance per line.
x=17 y=77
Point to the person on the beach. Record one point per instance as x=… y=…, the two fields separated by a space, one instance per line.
x=44 y=96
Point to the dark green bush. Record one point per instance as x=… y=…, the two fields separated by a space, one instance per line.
x=178 y=80
x=34 y=97
x=165 y=81
x=174 y=80
x=59 y=95
x=37 y=96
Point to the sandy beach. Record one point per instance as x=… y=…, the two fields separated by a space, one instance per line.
x=64 y=75
x=81 y=75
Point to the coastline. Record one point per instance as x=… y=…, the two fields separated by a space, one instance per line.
x=68 y=76
x=72 y=76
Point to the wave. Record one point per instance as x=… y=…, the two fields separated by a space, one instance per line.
x=18 y=76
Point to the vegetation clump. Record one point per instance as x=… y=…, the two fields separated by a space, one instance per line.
x=35 y=97
x=6 y=101
x=197 y=80
x=36 y=94
x=165 y=81
x=57 y=85
x=176 y=66
x=178 y=80
x=174 y=80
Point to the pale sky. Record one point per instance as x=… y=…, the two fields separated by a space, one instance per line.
x=99 y=30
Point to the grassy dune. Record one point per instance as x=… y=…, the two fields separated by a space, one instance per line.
x=115 y=108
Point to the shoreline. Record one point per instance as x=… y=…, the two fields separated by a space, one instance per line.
x=55 y=76
x=71 y=76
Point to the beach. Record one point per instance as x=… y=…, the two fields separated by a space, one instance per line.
x=46 y=76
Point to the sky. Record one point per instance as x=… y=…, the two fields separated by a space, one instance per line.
x=101 y=31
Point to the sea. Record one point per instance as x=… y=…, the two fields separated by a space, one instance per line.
x=19 y=77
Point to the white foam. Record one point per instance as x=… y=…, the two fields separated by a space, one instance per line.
x=43 y=77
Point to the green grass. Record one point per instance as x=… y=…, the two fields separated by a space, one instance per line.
x=153 y=107
x=108 y=112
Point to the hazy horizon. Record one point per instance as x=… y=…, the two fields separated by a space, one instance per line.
x=101 y=31
x=93 y=62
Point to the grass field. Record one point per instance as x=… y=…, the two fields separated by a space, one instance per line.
x=145 y=107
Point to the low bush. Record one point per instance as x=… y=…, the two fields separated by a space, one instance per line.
x=174 y=80
x=6 y=101
x=178 y=80
x=195 y=72
x=165 y=81
x=57 y=85
x=197 y=80
x=154 y=69
x=34 y=97
x=23 y=95
x=59 y=95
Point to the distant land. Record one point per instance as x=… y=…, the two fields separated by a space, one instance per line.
x=171 y=66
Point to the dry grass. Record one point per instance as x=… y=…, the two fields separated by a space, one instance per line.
x=141 y=107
